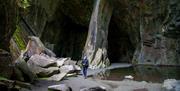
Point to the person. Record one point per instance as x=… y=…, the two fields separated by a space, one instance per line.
x=85 y=65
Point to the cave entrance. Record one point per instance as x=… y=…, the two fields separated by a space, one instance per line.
x=72 y=40
x=120 y=49
x=67 y=36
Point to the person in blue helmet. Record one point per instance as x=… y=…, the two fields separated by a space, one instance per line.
x=85 y=65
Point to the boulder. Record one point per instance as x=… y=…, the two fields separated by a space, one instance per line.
x=93 y=89
x=41 y=61
x=35 y=46
x=18 y=75
x=61 y=61
x=49 y=52
x=129 y=77
x=69 y=62
x=67 y=68
x=78 y=68
x=171 y=85
x=22 y=68
x=44 y=72
x=3 y=87
x=57 y=77
x=61 y=87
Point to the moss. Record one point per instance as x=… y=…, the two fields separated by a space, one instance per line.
x=3 y=78
x=43 y=78
x=18 y=39
x=24 y=3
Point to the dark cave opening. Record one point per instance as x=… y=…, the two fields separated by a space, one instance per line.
x=67 y=36
x=71 y=40
x=120 y=48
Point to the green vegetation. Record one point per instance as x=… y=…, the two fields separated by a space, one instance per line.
x=3 y=78
x=18 y=39
x=43 y=78
x=24 y=3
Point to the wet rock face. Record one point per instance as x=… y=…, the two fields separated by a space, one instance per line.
x=7 y=23
x=120 y=46
x=96 y=43
x=78 y=10
x=93 y=89
x=70 y=19
x=66 y=29
x=7 y=27
x=6 y=68
x=134 y=30
x=171 y=26
x=172 y=23
x=68 y=38
x=61 y=87
x=154 y=47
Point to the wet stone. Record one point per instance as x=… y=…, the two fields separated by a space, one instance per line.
x=61 y=87
x=6 y=68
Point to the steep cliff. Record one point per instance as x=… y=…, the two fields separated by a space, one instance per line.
x=138 y=31
x=8 y=22
x=65 y=23
x=155 y=48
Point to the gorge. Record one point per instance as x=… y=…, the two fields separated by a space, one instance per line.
x=138 y=32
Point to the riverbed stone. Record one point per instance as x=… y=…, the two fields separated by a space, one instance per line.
x=93 y=89
x=61 y=61
x=68 y=61
x=60 y=87
x=23 y=68
x=41 y=61
x=43 y=72
x=171 y=84
x=57 y=77
x=67 y=68
x=35 y=46
x=46 y=72
x=141 y=89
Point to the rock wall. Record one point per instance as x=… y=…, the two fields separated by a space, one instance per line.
x=8 y=17
x=8 y=21
x=123 y=35
x=155 y=48
x=64 y=22
x=132 y=30
x=96 y=43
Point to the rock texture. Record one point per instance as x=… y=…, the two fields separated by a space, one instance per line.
x=23 y=72
x=6 y=68
x=60 y=20
x=40 y=61
x=8 y=22
x=61 y=87
x=96 y=43
x=155 y=48
x=138 y=31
